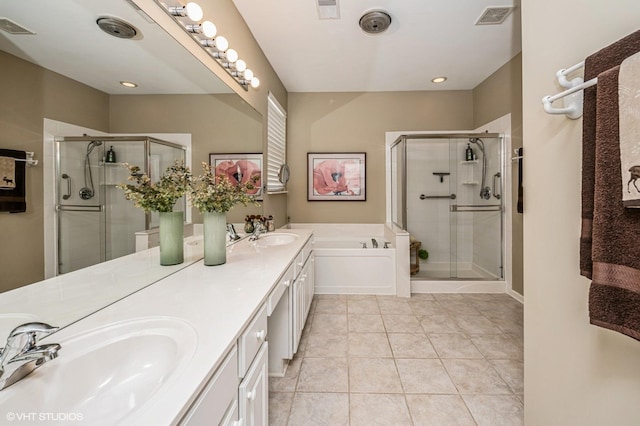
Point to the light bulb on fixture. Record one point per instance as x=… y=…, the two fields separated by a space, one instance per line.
x=248 y=74
x=207 y=28
x=241 y=65
x=192 y=10
x=222 y=44
x=231 y=55
x=255 y=82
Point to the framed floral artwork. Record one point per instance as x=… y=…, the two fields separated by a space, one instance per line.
x=336 y=176
x=239 y=168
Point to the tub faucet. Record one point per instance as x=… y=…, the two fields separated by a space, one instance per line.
x=364 y=245
x=21 y=355
x=233 y=235
x=258 y=229
x=386 y=244
x=374 y=243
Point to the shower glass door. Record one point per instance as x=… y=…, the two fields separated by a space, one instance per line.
x=454 y=206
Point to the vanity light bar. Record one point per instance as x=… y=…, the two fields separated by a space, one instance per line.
x=217 y=46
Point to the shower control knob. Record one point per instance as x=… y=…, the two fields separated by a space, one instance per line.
x=86 y=194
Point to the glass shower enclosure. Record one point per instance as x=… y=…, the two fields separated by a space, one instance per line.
x=446 y=191
x=95 y=222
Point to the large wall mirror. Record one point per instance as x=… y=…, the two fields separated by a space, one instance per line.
x=59 y=65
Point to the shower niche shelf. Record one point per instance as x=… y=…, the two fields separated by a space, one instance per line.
x=465 y=162
x=470 y=183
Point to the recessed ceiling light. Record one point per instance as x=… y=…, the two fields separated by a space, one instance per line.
x=441 y=79
x=129 y=84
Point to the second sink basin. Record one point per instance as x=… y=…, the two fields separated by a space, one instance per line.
x=276 y=239
x=107 y=373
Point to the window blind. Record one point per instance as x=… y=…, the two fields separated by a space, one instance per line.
x=276 y=143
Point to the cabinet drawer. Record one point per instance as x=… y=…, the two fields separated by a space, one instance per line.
x=220 y=394
x=276 y=294
x=250 y=341
x=306 y=250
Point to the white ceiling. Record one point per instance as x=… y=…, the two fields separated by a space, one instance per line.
x=69 y=42
x=427 y=38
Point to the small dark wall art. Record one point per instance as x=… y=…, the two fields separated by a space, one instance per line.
x=336 y=176
x=239 y=168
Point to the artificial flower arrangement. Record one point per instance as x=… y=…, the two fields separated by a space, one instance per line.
x=209 y=192
x=160 y=196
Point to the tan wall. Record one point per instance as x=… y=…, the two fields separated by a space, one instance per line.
x=357 y=122
x=575 y=373
x=498 y=95
x=219 y=124
x=30 y=94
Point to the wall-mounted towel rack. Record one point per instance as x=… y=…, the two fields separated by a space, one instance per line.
x=572 y=96
x=29 y=160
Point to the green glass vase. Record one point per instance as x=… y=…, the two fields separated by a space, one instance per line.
x=215 y=236
x=171 y=238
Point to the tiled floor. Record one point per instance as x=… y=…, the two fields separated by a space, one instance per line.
x=443 y=359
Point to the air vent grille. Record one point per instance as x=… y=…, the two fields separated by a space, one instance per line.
x=328 y=9
x=494 y=15
x=7 y=25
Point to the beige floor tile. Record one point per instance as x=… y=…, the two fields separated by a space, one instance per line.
x=329 y=324
x=394 y=305
x=323 y=375
x=426 y=307
x=319 y=409
x=378 y=410
x=476 y=324
x=331 y=306
x=439 y=324
x=365 y=323
x=373 y=375
x=497 y=346
x=454 y=345
x=330 y=296
x=512 y=372
x=422 y=296
x=475 y=376
x=439 y=410
x=327 y=345
x=290 y=379
x=363 y=306
x=449 y=296
x=459 y=307
x=279 y=407
x=369 y=345
x=495 y=410
x=411 y=345
x=401 y=323
x=424 y=376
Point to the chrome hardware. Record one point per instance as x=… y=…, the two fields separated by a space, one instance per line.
x=364 y=245
x=431 y=197
x=233 y=235
x=496 y=176
x=21 y=355
x=374 y=243
x=386 y=244
x=258 y=228
x=68 y=179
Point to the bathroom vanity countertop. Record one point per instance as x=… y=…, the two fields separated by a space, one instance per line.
x=64 y=299
x=218 y=302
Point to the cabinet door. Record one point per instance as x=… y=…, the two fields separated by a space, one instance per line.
x=309 y=284
x=254 y=391
x=298 y=311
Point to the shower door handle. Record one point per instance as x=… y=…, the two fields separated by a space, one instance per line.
x=496 y=176
x=431 y=197
x=68 y=179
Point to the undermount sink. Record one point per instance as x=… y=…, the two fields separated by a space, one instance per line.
x=107 y=373
x=279 y=239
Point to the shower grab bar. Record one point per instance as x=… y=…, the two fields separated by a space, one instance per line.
x=496 y=176
x=68 y=179
x=432 y=197
x=78 y=208
x=464 y=208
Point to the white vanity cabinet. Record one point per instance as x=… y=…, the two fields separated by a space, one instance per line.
x=289 y=307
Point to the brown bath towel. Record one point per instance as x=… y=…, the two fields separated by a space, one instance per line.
x=601 y=61
x=614 y=296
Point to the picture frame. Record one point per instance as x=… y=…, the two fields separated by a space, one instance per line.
x=336 y=176
x=239 y=168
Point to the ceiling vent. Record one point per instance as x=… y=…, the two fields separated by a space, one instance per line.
x=7 y=25
x=375 y=22
x=328 y=9
x=494 y=15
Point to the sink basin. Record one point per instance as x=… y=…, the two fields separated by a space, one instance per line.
x=279 y=239
x=107 y=373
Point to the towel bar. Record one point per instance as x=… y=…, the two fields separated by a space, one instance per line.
x=573 y=95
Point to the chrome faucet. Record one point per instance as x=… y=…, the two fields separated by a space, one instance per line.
x=233 y=235
x=374 y=243
x=258 y=228
x=21 y=355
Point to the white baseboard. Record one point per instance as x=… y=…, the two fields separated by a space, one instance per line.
x=517 y=296
x=427 y=286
